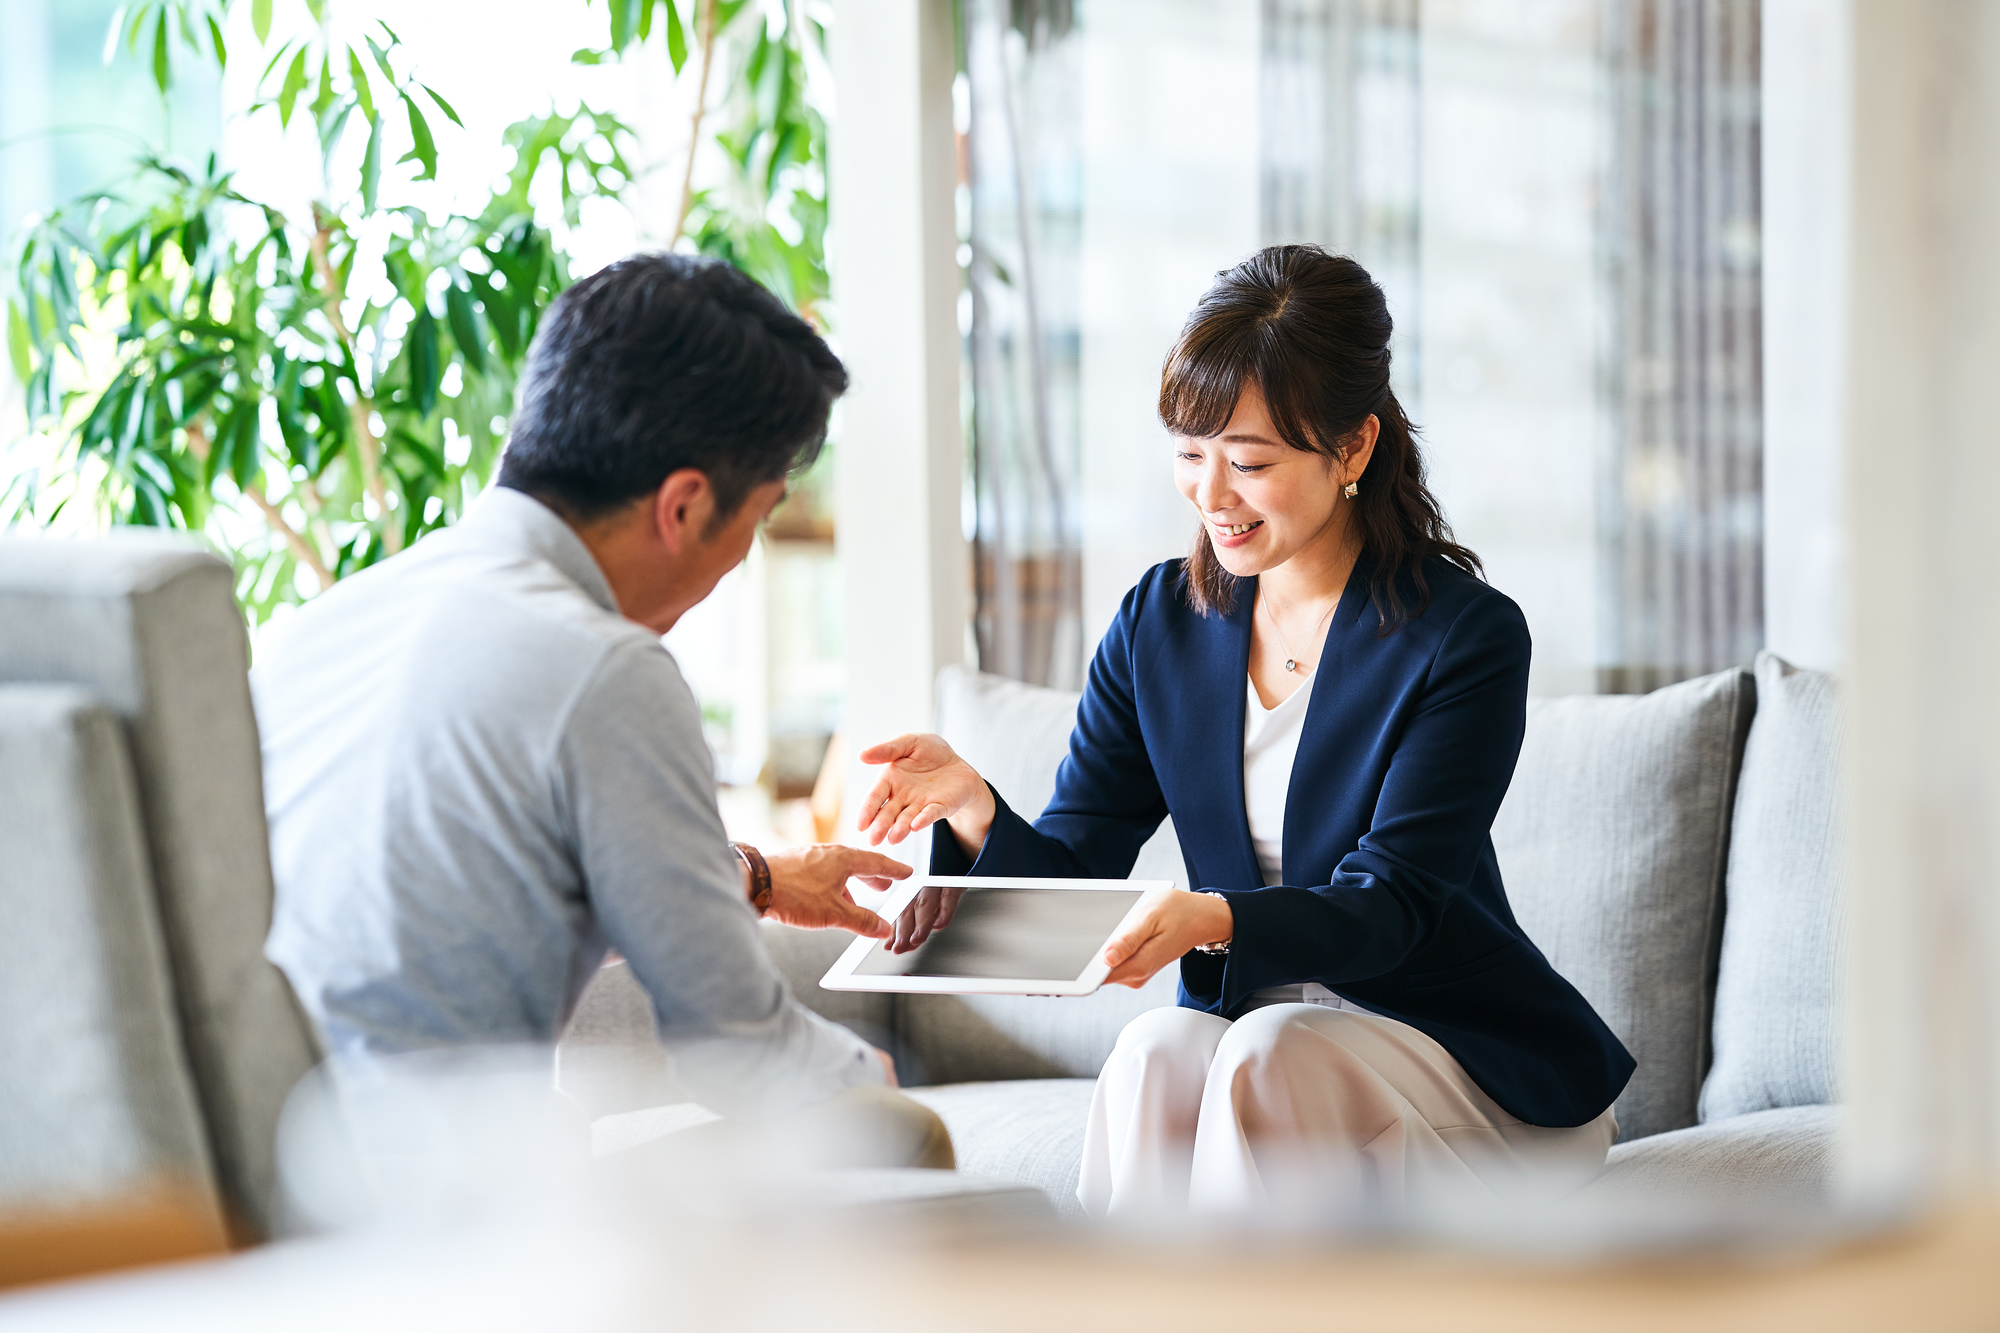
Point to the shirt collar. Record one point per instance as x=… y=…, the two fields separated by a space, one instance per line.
x=515 y=519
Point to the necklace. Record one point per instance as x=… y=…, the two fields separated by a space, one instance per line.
x=1292 y=662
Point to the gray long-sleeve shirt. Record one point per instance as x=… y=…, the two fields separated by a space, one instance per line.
x=480 y=776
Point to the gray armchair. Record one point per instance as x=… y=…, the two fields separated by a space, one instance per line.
x=145 y=1043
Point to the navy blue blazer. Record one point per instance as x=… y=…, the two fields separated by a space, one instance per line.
x=1391 y=894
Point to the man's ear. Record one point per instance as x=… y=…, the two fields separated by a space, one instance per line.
x=681 y=509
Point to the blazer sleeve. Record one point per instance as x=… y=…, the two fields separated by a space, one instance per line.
x=1107 y=799
x=1432 y=824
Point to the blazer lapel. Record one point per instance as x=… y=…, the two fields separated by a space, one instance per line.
x=1321 y=757
x=1226 y=681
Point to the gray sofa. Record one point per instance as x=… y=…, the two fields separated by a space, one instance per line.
x=1672 y=853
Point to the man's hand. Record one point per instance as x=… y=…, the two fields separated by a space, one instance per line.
x=925 y=781
x=1166 y=925
x=809 y=887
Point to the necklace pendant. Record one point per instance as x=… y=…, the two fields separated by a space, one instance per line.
x=1291 y=664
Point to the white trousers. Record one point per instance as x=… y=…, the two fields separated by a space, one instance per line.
x=1302 y=1110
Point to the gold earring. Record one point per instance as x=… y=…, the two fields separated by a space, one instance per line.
x=1352 y=489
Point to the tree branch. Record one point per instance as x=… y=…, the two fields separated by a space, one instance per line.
x=198 y=445
x=367 y=446
x=694 y=130
x=301 y=548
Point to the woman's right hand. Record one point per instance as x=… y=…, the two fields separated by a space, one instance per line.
x=924 y=782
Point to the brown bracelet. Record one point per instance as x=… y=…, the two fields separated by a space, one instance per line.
x=760 y=875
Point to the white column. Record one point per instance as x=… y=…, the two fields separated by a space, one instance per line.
x=900 y=463
x=1923 y=467
x=1807 y=60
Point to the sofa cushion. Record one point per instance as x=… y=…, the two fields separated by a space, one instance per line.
x=1026 y=1130
x=149 y=625
x=96 y=1098
x=1774 y=994
x=1612 y=843
x=1783 y=1155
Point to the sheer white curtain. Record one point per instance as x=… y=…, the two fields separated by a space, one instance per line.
x=1561 y=200
x=1682 y=473
x=1025 y=200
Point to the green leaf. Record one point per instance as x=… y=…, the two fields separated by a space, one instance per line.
x=323 y=101
x=163 y=71
x=220 y=47
x=371 y=167
x=425 y=150
x=677 y=41
x=624 y=17
x=21 y=348
x=295 y=83
x=331 y=129
x=362 y=92
x=111 y=35
x=245 y=456
x=465 y=330
x=381 y=60
x=260 y=20
x=426 y=367
x=443 y=106
x=583 y=55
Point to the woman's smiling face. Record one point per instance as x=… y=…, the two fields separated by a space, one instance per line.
x=1261 y=501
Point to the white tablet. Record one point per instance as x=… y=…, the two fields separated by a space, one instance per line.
x=1006 y=937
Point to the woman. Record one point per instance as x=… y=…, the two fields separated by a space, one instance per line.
x=1329 y=701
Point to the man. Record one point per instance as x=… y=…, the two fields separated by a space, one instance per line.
x=482 y=767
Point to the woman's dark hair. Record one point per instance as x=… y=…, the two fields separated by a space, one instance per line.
x=1310 y=331
x=661 y=362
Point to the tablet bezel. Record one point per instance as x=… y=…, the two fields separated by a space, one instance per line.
x=841 y=976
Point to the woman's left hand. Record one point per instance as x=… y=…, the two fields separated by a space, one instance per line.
x=1167 y=924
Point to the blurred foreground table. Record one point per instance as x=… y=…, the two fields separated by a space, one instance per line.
x=609 y=1273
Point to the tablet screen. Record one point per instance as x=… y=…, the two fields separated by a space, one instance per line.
x=1012 y=934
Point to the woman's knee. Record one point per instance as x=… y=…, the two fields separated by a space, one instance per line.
x=1276 y=1031
x=1171 y=1029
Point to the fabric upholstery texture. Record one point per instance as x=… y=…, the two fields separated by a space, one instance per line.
x=609 y=1059
x=96 y=1098
x=1780 y=1155
x=149 y=625
x=1026 y=1130
x=1612 y=843
x=1774 y=995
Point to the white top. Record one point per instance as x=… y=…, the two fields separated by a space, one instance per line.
x=1270 y=745
x=479 y=776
